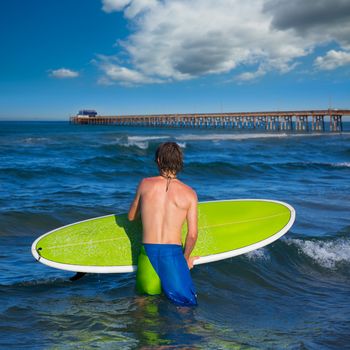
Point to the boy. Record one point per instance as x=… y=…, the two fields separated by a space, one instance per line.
x=165 y=203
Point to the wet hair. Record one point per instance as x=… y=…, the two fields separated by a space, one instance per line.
x=169 y=157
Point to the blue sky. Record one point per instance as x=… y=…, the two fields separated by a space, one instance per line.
x=153 y=56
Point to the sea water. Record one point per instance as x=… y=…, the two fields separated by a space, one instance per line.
x=292 y=294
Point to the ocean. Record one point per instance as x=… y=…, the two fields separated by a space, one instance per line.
x=292 y=294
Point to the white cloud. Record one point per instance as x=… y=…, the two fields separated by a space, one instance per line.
x=249 y=76
x=63 y=73
x=332 y=60
x=114 y=5
x=115 y=73
x=174 y=40
x=321 y=20
x=132 y=7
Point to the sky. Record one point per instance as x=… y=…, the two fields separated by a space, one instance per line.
x=172 y=56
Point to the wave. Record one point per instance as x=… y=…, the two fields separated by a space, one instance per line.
x=46 y=141
x=227 y=168
x=131 y=143
x=106 y=164
x=261 y=254
x=228 y=137
x=238 y=136
x=314 y=165
x=146 y=138
x=331 y=253
x=326 y=253
x=37 y=172
x=49 y=281
x=341 y=165
x=143 y=142
x=121 y=163
x=28 y=142
x=220 y=168
x=34 y=140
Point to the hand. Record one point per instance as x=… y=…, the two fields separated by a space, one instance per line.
x=190 y=261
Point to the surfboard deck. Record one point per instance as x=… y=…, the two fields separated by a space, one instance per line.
x=111 y=244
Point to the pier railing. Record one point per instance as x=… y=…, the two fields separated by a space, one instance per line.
x=302 y=121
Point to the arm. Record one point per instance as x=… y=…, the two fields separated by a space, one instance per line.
x=134 y=210
x=192 y=230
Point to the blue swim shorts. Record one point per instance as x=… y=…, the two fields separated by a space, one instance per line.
x=163 y=267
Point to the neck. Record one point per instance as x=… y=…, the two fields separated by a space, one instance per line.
x=168 y=175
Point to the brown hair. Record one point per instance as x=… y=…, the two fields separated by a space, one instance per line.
x=169 y=157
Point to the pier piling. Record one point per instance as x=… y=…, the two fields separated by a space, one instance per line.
x=336 y=123
x=318 y=123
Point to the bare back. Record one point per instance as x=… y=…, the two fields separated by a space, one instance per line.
x=163 y=212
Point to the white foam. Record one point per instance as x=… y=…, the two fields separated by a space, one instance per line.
x=146 y=138
x=182 y=144
x=341 y=165
x=143 y=141
x=325 y=253
x=142 y=144
x=139 y=144
x=335 y=165
x=258 y=255
x=34 y=140
x=244 y=136
x=227 y=137
x=324 y=134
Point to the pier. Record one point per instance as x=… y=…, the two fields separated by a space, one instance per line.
x=299 y=121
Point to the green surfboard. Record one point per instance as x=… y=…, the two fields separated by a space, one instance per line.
x=111 y=244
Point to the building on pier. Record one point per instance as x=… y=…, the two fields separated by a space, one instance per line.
x=299 y=121
x=86 y=113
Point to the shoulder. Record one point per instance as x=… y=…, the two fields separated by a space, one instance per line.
x=190 y=192
x=147 y=181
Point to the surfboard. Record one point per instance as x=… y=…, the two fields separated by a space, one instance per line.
x=111 y=244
